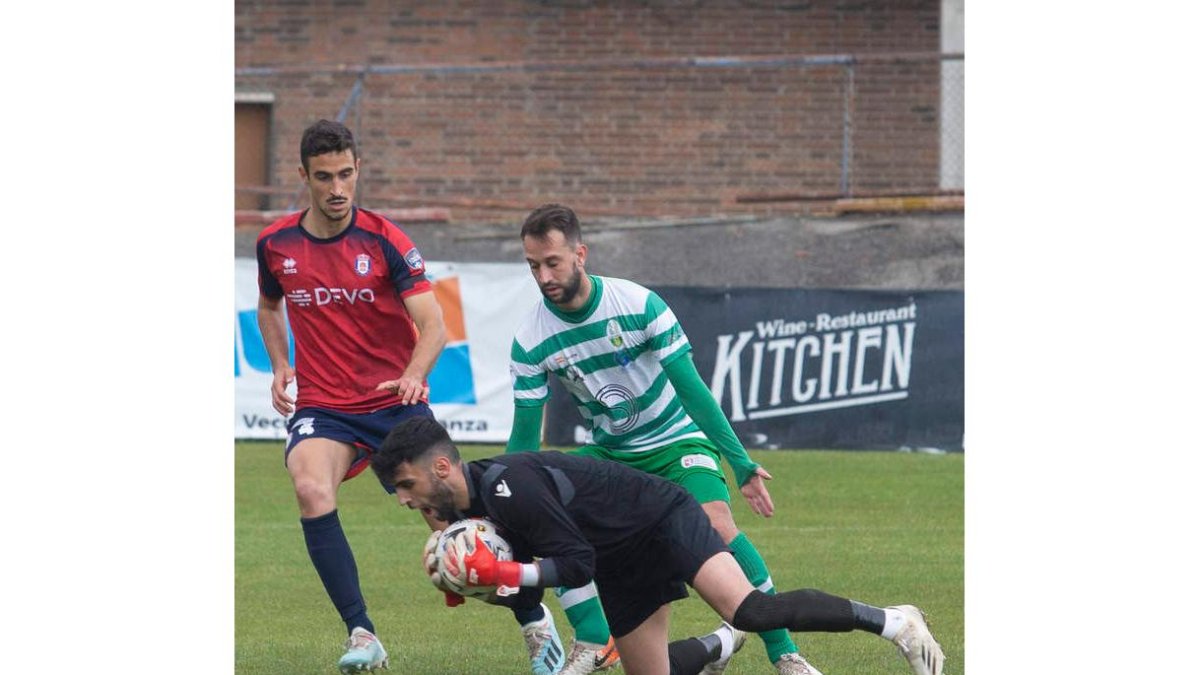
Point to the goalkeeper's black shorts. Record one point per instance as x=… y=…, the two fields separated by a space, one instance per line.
x=634 y=588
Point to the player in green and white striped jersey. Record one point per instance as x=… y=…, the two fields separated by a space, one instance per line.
x=610 y=356
x=621 y=353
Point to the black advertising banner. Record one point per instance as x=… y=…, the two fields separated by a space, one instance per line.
x=843 y=369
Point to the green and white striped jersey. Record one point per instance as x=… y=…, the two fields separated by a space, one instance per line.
x=610 y=356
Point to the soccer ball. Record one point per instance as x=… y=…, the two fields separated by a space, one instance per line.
x=490 y=538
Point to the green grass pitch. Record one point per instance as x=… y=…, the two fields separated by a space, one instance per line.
x=880 y=527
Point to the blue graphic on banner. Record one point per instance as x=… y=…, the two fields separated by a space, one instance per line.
x=254 y=351
x=450 y=382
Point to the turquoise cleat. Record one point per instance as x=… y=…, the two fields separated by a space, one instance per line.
x=546 y=654
x=363 y=652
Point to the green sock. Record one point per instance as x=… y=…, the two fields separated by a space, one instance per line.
x=583 y=610
x=778 y=642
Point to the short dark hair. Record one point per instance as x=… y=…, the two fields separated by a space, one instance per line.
x=552 y=217
x=410 y=442
x=326 y=136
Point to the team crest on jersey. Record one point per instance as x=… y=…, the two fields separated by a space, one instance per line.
x=414 y=259
x=614 y=333
x=362 y=265
x=613 y=330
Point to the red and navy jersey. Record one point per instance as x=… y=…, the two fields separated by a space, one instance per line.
x=345 y=305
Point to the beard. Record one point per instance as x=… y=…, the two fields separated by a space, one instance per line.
x=569 y=289
x=442 y=502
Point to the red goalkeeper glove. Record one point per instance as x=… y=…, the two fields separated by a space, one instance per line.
x=473 y=564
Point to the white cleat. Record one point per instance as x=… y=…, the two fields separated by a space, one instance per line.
x=717 y=667
x=546 y=655
x=589 y=657
x=363 y=652
x=794 y=664
x=916 y=643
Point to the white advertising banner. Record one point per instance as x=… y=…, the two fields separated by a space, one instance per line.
x=470 y=388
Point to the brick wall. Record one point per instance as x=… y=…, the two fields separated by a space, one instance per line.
x=636 y=138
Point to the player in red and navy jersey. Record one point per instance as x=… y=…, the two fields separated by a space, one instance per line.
x=367 y=333
x=353 y=299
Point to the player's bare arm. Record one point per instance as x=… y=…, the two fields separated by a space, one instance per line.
x=273 y=324
x=427 y=316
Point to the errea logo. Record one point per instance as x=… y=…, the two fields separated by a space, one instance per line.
x=289 y=266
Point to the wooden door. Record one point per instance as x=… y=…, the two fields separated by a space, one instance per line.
x=252 y=123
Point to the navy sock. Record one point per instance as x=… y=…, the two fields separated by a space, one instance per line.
x=529 y=614
x=331 y=555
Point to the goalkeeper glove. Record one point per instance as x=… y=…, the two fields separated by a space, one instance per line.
x=472 y=563
x=429 y=558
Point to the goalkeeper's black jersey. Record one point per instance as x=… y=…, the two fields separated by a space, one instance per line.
x=584 y=517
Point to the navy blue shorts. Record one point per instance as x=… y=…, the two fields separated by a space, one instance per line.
x=364 y=431
x=634 y=589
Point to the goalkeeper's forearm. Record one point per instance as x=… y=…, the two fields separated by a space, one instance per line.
x=544 y=573
x=509 y=573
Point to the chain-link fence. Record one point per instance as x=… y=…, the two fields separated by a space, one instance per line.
x=952 y=118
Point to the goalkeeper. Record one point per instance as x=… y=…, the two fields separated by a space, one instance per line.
x=638 y=536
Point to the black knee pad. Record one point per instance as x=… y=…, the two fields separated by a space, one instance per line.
x=806 y=610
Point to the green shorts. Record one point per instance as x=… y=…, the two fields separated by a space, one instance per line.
x=692 y=463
